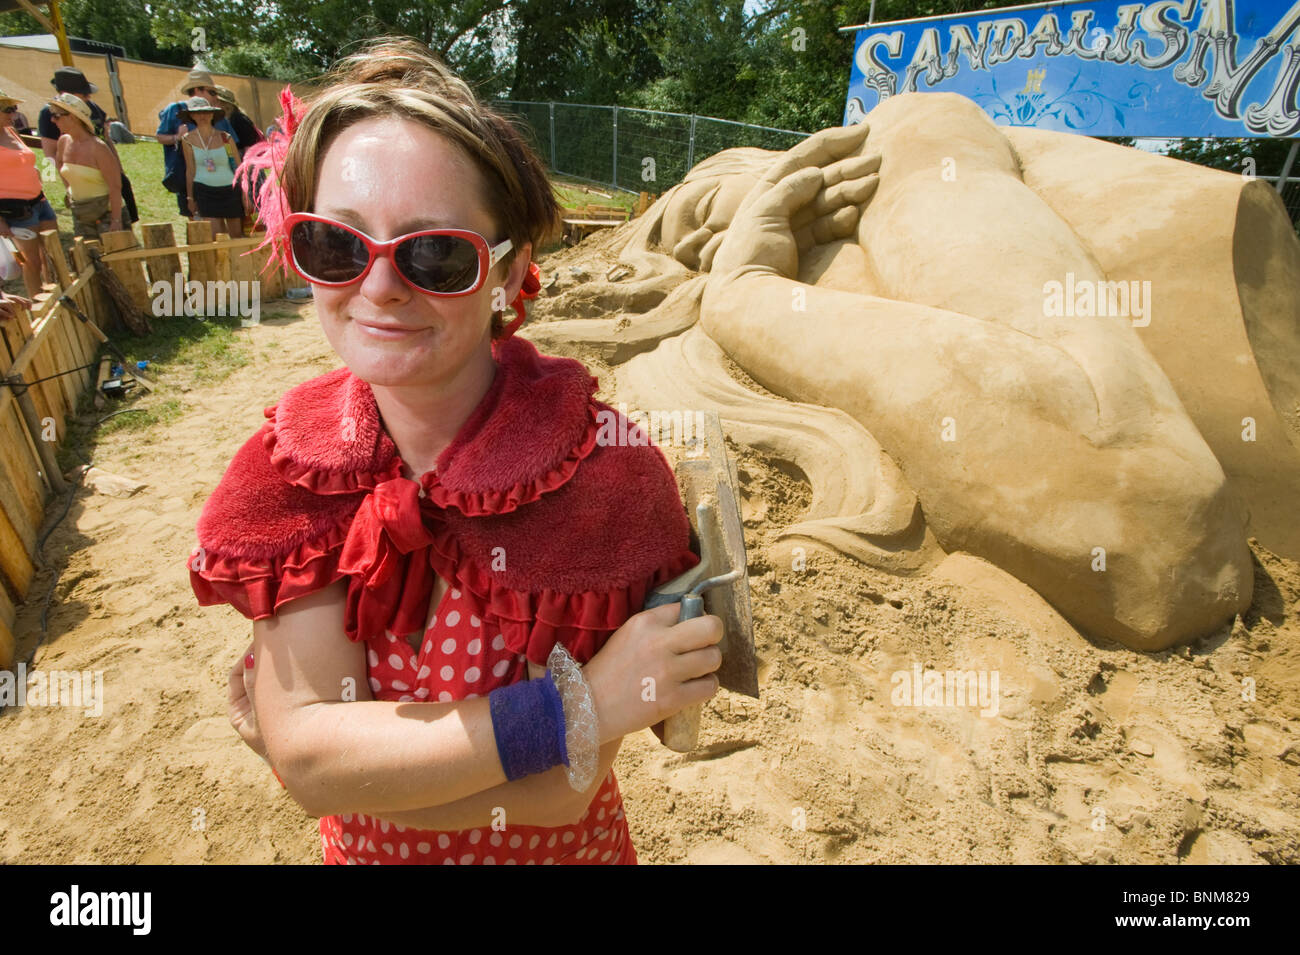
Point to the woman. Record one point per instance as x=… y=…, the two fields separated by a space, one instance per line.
x=210 y=160
x=90 y=170
x=246 y=131
x=23 y=206
x=418 y=534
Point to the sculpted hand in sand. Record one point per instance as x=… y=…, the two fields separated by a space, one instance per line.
x=898 y=285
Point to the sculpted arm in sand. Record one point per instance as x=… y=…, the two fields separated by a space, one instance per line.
x=1054 y=447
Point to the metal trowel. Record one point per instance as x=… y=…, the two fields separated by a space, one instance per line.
x=719 y=583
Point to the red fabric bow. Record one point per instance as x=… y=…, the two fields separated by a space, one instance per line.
x=532 y=285
x=388 y=525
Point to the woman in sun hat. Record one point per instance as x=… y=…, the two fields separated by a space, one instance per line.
x=89 y=169
x=246 y=131
x=419 y=535
x=24 y=210
x=210 y=161
x=172 y=126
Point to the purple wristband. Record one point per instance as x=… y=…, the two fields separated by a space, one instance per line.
x=528 y=720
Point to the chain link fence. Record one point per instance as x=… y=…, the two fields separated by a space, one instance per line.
x=638 y=150
x=635 y=150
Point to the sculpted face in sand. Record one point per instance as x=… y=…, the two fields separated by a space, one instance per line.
x=1040 y=349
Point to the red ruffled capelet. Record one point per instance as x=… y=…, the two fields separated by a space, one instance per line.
x=562 y=536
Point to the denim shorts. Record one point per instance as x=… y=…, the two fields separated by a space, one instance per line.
x=41 y=212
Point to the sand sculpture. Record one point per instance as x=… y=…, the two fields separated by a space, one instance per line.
x=1078 y=361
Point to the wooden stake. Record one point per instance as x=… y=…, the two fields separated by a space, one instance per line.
x=44 y=448
x=161 y=268
x=203 y=265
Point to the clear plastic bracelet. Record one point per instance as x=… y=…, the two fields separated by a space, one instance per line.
x=581 y=729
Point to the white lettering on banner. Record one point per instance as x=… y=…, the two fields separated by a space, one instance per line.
x=1150 y=35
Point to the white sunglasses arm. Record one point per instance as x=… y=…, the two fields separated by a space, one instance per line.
x=498 y=252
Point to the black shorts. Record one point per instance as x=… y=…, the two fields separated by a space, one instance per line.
x=219 y=202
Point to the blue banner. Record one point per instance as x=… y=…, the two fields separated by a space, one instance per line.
x=1100 y=67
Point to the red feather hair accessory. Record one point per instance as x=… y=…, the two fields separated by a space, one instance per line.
x=259 y=176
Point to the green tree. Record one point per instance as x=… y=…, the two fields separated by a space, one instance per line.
x=1263 y=157
x=126 y=23
x=583 y=51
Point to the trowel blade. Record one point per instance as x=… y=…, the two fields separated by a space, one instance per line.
x=709 y=476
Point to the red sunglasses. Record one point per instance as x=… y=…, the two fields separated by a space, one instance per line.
x=445 y=262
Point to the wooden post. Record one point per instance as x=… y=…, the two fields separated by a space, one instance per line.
x=45 y=395
x=7 y=644
x=50 y=467
x=271 y=279
x=105 y=366
x=15 y=563
x=130 y=271
x=242 y=268
x=76 y=343
x=223 y=259
x=203 y=265
x=62 y=354
x=92 y=298
x=21 y=500
x=161 y=268
x=85 y=300
x=21 y=492
x=50 y=241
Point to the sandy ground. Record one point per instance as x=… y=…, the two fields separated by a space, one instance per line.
x=1094 y=754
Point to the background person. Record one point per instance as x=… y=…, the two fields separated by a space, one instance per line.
x=246 y=131
x=70 y=80
x=210 y=160
x=172 y=126
x=23 y=205
x=89 y=169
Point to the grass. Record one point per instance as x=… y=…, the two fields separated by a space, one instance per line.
x=180 y=351
x=574 y=194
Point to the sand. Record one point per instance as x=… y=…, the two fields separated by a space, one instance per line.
x=1095 y=753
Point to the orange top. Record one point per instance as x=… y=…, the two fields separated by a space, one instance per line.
x=18 y=176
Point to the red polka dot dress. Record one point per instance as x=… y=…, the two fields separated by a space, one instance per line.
x=545 y=530
x=463 y=656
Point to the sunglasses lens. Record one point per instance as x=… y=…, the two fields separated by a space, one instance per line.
x=327 y=253
x=439 y=263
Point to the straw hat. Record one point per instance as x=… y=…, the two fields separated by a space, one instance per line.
x=197 y=104
x=6 y=101
x=197 y=78
x=76 y=106
x=226 y=96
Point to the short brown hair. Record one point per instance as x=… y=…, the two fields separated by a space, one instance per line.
x=400 y=77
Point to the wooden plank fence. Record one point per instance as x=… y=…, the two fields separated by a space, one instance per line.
x=36 y=401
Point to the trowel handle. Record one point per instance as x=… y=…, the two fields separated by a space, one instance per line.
x=682 y=729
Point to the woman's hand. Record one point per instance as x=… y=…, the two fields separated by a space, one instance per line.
x=811 y=196
x=9 y=302
x=239 y=703
x=193 y=206
x=653 y=667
